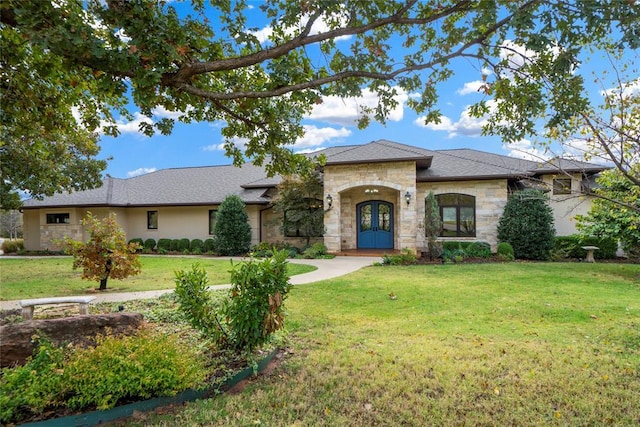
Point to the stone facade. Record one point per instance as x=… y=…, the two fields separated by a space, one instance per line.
x=352 y=184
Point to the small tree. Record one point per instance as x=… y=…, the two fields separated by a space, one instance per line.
x=299 y=201
x=527 y=224
x=432 y=224
x=106 y=254
x=615 y=213
x=232 y=231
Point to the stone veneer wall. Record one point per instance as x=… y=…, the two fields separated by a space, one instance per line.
x=51 y=234
x=342 y=181
x=491 y=197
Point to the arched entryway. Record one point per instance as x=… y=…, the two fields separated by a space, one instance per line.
x=375 y=225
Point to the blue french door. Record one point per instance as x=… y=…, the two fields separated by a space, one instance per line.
x=375 y=225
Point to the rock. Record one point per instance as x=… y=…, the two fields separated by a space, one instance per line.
x=16 y=339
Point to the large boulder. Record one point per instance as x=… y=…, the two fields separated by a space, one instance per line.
x=17 y=344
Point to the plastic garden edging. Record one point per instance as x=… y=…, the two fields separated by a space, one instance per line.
x=96 y=417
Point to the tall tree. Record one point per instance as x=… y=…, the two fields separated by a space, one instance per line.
x=432 y=225
x=232 y=230
x=70 y=67
x=106 y=254
x=299 y=201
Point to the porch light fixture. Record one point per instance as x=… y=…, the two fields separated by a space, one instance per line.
x=329 y=200
x=407 y=197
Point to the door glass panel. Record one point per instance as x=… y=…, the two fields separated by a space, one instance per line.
x=384 y=217
x=365 y=218
x=449 y=222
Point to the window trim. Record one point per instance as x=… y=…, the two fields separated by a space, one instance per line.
x=65 y=218
x=150 y=225
x=458 y=206
x=560 y=187
x=212 y=228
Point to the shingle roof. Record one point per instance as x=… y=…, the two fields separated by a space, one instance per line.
x=211 y=184
x=179 y=186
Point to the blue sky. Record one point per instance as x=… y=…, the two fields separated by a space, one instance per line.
x=331 y=123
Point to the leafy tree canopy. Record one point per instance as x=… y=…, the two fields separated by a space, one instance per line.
x=70 y=68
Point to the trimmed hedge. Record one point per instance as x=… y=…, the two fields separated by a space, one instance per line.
x=183 y=245
x=209 y=245
x=571 y=247
x=150 y=244
x=196 y=246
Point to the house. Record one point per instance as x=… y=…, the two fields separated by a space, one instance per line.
x=373 y=198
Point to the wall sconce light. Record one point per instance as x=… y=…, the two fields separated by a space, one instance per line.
x=407 y=197
x=329 y=200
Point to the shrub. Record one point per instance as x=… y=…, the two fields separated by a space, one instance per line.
x=164 y=245
x=256 y=307
x=317 y=250
x=12 y=246
x=405 y=257
x=232 y=231
x=527 y=223
x=478 y=250
x=175 y=243
x=571 y=247
x=29 y=389
x=505 y=251
x=209 y=246
x=118 y=368
x=149 y=245
x=138 y=241
x=454 y=255
x=183 y=245
x=196 y=246
x=452 y=245
x=195 y=301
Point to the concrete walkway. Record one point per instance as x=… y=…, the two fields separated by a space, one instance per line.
x=327 y=269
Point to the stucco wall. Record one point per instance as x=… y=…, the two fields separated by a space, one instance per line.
x=567 y=206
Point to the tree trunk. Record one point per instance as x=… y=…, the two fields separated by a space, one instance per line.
x=107 y=271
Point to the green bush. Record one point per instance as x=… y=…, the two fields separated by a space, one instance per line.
x=505 y=251
x=571 y=247
x=232 y=230
x=195 y=301
x=30 y=389
x=478 y=250
x=175 y=243
x=317 y=250
x=209 y=246
x=12 y=246
x=256 y=307
x=117 y=369
x=452 y=245
x=183 y=245
x=527 y=223
x=405 y=257
x=149 y=245
x=196 y=246
x=164 y=245
x=139 y=241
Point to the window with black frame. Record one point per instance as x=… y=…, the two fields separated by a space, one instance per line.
x=458 y=215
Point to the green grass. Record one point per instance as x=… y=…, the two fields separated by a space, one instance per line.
x=54 y=276
x=522 y=344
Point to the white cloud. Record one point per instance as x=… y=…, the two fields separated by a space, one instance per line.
x=465 y=125
x=625 y=90
x=346 y=111
x=318 y=27
x=471 y=87
x=134 y=125
x=524 y=149
x=140 y=171
x=515 y=54
x=314 y=136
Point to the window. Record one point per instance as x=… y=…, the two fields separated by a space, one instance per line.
x=562 y=186
x=212 y=220
x=458 y=215
x=58 y=218
x=308 y=221
x=152 y=220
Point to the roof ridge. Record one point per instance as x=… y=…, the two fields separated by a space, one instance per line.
x=404 y=147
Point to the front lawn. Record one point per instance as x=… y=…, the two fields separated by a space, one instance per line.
x=491 y=344
x=54 y=276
